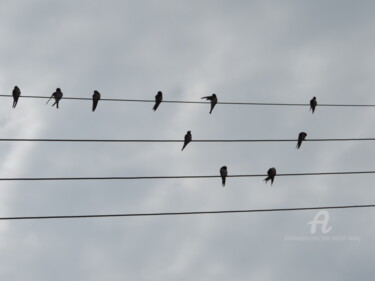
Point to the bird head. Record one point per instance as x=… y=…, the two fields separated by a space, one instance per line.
x=272 y=171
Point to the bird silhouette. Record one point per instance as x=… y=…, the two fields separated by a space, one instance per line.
x=158 y=100
x=213 y=100
x=57 y=96
x=313 y=104
x=301 y=138
x=16 y=94
x=95 y=100
x=223 y=174
x=187 y=139
x=271 y=175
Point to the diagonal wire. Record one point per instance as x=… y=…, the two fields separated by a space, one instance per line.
x=186 y=213
x=205 y=102
x=180 y=177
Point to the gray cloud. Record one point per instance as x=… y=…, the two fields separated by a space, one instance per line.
x=242 y=51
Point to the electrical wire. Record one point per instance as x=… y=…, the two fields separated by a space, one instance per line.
x=186 y=213
x=179 y=177
x=204 y=102
x=170 y=140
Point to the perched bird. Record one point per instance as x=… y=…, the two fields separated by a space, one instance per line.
x=57 y=96
x=16 y=94
x=271 y=175
x=158 y=100
x=95 y=100
x=187 y=139
x=313 y=104
x=301 y=138
x=213 y=100
x=223 y=174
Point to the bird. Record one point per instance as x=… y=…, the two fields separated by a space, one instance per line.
x=271 y=175
x=158 y=100
x=95 y=100
x=313 y=104
x=301 y=138
x=223 y=174
x=57 y=96
x=213 y=100
x=16 y=94
x=187 y=139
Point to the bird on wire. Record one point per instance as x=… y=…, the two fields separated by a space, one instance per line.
x=271 y=175
x=213 y=100
x=301 y=138
x=95 y=99
x=313 y=104
x=223 y=174
x=158 y=100
x=57 y=95
x=16 y=94
x=188 y=138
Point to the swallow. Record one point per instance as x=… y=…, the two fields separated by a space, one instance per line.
x=57 y=96
x=16 y=94
x=271 y=175
x=223 y=174
x=187 y=139
x=95 y=100
x=301 y=138
x=213 y=100
x=158 y=100
x=313 y=104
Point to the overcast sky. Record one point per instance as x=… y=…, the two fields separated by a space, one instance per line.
x=244 y=51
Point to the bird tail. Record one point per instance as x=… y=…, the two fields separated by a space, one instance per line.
x=269 y=178
x=298 y=145
x=94 y=105
x=49 y=100
x=156 y=106
x=185 y=144
x=223 y=181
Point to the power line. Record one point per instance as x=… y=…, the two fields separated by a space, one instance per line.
x=186 y=213
x=174 y=140
x=204 y=102
x=179 y=177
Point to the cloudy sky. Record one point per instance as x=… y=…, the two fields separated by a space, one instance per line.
x=244 y=51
